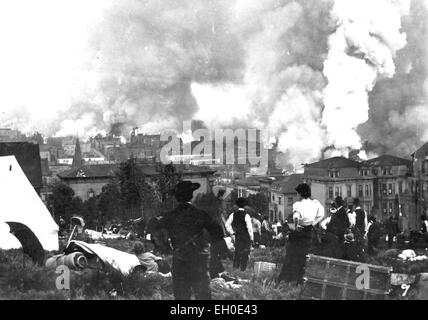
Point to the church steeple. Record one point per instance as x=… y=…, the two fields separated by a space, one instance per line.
x=77 y=158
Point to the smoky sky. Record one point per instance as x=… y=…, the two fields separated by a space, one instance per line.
x=398 y=115
x=154 y=64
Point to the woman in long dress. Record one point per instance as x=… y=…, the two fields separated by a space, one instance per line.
x=306 y=214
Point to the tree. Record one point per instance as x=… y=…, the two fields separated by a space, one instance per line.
x=163 y=185
x=259 y=202
x=109 y=203
x=134 y=189
x=63 y=202
x=209 y=203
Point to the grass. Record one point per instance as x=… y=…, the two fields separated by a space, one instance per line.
x=21 y=279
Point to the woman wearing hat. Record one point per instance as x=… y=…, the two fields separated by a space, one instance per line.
x=306 y=214
x=239 y=225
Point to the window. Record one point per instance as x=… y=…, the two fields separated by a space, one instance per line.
x=349 y=191
x=290 y=202
x=400 y=187
x=390 y=207
x=273 y=197
x=279 y=200
x=389 y=188
x=384 y=189
x=364 y=172
x=384 y=208
x=367 y=190
x=338 y=192
x=91 y=193
x=330 y=192
x=387 y=171
x=333 y=173
x=360 y=191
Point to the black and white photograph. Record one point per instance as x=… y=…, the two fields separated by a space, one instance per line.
x=234 y=151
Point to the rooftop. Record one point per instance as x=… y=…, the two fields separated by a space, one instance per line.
x=422 y=152
x=109 y=170
x=288 y=184
x=334 y=163
x=387 y=160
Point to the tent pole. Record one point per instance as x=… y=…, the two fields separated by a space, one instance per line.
x=71 y=235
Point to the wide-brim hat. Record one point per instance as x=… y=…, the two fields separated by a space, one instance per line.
x=241 y=202
x=186 y=187
x=339 y=201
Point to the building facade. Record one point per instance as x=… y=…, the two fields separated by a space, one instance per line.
x=282 y=197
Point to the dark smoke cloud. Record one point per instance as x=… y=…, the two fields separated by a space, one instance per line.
x=398 y=116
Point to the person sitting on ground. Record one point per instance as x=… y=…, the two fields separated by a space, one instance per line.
x=149 y=261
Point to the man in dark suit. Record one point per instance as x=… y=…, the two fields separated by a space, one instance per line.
x=187 y=227
x=336 y=230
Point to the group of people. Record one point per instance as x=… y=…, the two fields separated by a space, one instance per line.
x=345 y=232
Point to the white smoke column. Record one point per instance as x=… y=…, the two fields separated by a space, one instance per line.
x=362 y=50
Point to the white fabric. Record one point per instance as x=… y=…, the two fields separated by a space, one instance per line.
x=308 y=212
x=21 y=203
x=119 y=260
x=247 y=222
x=352 y=217
x=325 y=222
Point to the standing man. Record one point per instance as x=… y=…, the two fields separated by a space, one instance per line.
x=306 y=214
x=336 y=229
x=266 y=232
x=360 y=220
x=391 y=230
x=187 y=227
x=373 y=235
x=257 y=230
x=239 y=225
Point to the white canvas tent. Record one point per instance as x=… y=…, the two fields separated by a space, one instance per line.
x=20 y=203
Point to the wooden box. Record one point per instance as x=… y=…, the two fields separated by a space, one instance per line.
x=334 y=279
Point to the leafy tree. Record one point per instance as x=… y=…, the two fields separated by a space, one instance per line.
x=209 y=203
x=109 y=203
x=134 y=189
x=63 y=202
x=259 y=202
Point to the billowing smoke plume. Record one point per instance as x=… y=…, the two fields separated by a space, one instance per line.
x=362 y=50
x=398 y=116
x=311 y=72
x=281 y=87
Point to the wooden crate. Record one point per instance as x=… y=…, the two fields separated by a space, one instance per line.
x=333 y=279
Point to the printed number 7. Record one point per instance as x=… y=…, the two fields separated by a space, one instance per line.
x=405 y=287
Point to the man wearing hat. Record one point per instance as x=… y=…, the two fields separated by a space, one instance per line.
x=336 y=230
x=240 y=226
x=306 y=214
x=187 y=227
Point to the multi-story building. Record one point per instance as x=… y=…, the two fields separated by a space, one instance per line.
x=88 y=180
x=282 y=197
x=340 y=176
x=419 y=183
x=381 y=184
x=391 y=188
